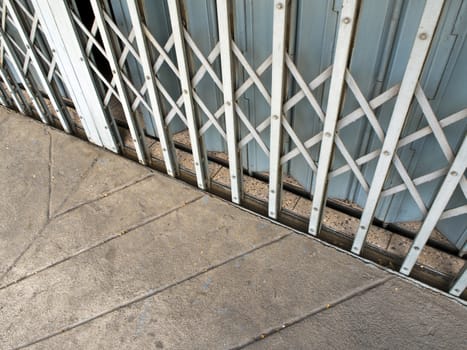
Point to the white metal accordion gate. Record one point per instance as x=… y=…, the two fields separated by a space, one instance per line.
x=265 y=102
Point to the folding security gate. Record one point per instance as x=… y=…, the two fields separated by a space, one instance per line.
x=363 y=101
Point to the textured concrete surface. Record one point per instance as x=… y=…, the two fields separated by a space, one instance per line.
x=379 y=319
x=97 y=252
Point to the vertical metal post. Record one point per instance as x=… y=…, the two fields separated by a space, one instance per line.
x=460 y=283
x=225 y=38
x=341 y=57
x=59 y=108
x=135 y=131
x=279 y=42
x=167 y=146
x=445 y=192
x=197 y=146
x=412 y=73
x=58 y=27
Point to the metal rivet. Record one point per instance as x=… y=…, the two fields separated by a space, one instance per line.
x=405 y=268
x=228 y=103
x=196 y=163
x=346 y=20
x=454 y=173
x=271 y=213
x=386 y=153
x=81 y=59
x=105 y=127
x=315 y=209
x=457 y=290
x=235 y=198
x=311 y=230
x=114 y=71
x=279 y=6
x=275 y=117
x=327 y=134
x=362 y=227
x=272 y=191
x=164 y=150
x=148 y=77
x=416 y=248
x=185 y=91
x=234 y=177
x=423 y=36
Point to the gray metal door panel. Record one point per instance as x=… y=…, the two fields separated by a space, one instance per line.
x=201 y=23
x=314 y=44
x=408 y=23
x=365 y=67
x=252 y=34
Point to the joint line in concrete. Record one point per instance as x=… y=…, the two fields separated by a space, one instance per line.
x=353 y=293
x=153 y=292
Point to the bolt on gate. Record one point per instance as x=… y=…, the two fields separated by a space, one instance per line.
x=355 y=100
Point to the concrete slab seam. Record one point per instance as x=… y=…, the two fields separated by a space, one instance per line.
x=153 y=292
x=106 y=194
x=102 y=242
x=76 y=186
x=38 y=233
x=356 y=292
x=408 y=279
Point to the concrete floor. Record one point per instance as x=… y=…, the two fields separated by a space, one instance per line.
x=98 y=252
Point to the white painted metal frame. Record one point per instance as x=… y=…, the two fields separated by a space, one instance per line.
x=279 y=43
x=460 y=284
x=167 y=146
x=423 y=39
x=13 y=91
x=336 y=90
x=28 y=85
x=61 y=111
x=445 y=192
x=225 y=39
x=197 y=146
x=135 y=130
x=59 y=29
